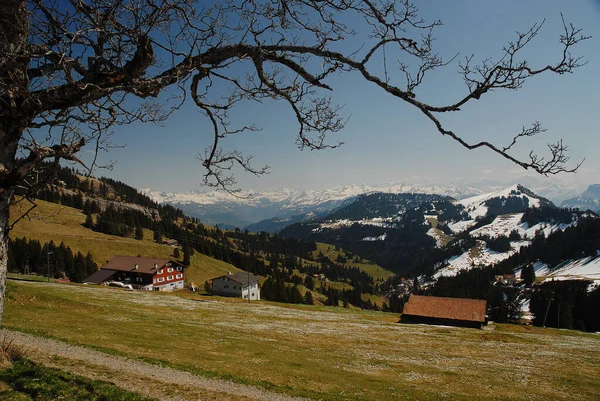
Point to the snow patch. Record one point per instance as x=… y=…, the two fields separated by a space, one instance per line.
x=379 y=238
x=434 y=234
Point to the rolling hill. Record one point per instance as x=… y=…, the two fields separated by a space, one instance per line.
x=57 y=223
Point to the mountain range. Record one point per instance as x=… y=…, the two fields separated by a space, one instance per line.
x=436 y=235
x=272 y=210
x=588 y=200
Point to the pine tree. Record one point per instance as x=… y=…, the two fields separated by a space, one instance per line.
x=528 y=274
x=176 y=253
x=89 y=221
x=139 y=232
x=186 y=255
x=308 y=298
x=158 y=235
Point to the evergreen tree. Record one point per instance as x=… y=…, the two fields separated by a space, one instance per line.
x=89 y=221
x=139 y=232
x=176 y=253
x=186 y=255
x=158 y=236
x=528 y=274
x=308 y=298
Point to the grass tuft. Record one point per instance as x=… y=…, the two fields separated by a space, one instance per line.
x=9 y=351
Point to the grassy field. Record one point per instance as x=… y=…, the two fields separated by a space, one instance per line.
x=320 y=352
x=50 y=221
x=377 y=272
x=27 y=381
x=28 y=277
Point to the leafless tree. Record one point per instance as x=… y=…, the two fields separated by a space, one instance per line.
x=72 y=69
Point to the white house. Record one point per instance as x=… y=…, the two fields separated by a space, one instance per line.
x=241 y=285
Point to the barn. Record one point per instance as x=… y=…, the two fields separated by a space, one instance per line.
x=462 y=312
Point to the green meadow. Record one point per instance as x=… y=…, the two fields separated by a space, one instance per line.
x=313 y=351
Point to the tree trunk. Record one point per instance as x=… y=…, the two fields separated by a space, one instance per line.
x=4 y=205
x=14 y=59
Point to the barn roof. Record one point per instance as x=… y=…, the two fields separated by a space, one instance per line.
x=129 y=263
x=471 y=310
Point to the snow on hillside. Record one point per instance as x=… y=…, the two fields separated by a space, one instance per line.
x=477 y=256
x=581 y=269
x=476 y=207
x=439 y=241
x=460 y=226
x=505 y=224
x=502 y=225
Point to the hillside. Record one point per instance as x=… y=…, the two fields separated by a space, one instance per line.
x=316 y=352
x=100 y=210
x=54 y=222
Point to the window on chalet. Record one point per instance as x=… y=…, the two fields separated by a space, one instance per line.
x=169 y=270
x=170 y=278
x=138 y=279
x=160 y=271
x=225 y=286
x=160 y=279
x=179 y=276
x=179 y=268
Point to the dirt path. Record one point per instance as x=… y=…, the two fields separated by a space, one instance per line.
x=144 y=378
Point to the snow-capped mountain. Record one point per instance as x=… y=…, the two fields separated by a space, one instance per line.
x=513 y=199
x=409 y=232
x=588 y=200
x=248 y=207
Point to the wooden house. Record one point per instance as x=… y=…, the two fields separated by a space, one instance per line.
x=141 y=273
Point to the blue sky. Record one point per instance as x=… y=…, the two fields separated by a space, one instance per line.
x=385 y=140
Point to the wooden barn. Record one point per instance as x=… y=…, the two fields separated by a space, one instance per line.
x=461 y=312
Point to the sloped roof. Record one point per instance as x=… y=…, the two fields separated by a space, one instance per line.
x=100 y=276
x=128 y=263
x=471 y=310
x=241 y=277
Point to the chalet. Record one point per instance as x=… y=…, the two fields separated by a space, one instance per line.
x=141 y=273
x=445 y=311
x=240 y=285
